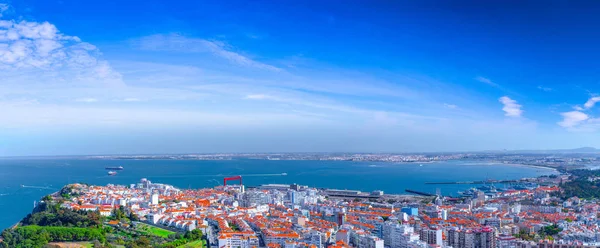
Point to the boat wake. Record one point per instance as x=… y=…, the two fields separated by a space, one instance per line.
x=37 y=187
x=264 y=175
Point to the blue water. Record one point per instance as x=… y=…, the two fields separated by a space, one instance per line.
x=48 y=175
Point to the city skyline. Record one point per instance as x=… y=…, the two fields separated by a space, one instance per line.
x=204 y=77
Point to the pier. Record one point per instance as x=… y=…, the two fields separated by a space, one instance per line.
x=476 y=182
x=419 y=192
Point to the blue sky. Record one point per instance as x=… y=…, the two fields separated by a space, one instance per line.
x=107 y=77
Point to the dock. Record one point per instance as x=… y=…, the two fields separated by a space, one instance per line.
x=419 y=192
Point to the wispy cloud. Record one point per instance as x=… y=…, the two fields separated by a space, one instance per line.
x=572 y=119
x=178 y=43
x=3 y=8
x=450 y=106
x=546 y=89
x=257 y=97
x=131 y=99
x=486 y=81
x=86 y=100
x=591 y=102
x=511 y=107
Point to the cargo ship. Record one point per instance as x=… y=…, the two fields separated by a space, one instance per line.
x=114 y=168
x=112 y=173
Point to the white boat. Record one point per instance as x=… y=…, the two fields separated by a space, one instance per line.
x=112 y=173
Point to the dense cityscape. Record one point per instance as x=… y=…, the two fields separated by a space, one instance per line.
x=536 y=212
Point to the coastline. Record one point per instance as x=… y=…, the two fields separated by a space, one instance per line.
x=495 y=162
x=555 y=169
x=54 y=194
x=299 y=172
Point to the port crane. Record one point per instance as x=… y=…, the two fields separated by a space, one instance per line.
x=232 y=179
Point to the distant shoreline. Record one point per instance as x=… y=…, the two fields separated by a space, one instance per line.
x=480 y=162
x=529 y=166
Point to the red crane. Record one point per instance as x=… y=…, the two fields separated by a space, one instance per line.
x=232 y=179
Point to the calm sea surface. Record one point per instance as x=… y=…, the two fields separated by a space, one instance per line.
x=44 y=176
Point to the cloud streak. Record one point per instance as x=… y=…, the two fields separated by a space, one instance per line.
x=591 y=102
x=486 y=81
x=178 y=43
x=450 y=106
x=86 y=100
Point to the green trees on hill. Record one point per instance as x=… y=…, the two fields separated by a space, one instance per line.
x=50 y=223
x=580 y=186
x=63 y=217
x=38 y=236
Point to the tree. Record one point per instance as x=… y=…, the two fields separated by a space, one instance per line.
x=550 y=230
x=143 y=241
x=133 y=217
x=118 y=213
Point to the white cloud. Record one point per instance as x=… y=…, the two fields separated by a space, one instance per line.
x=486 y=81
x=180 y=43
x=86 y=99
x=591 y=102
x=578 y=120
x=450 y=106
x=572 y=118
x=511 y=107
x=257 y=97
x=131 y=99
x=542 y=88
x=39 y=47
